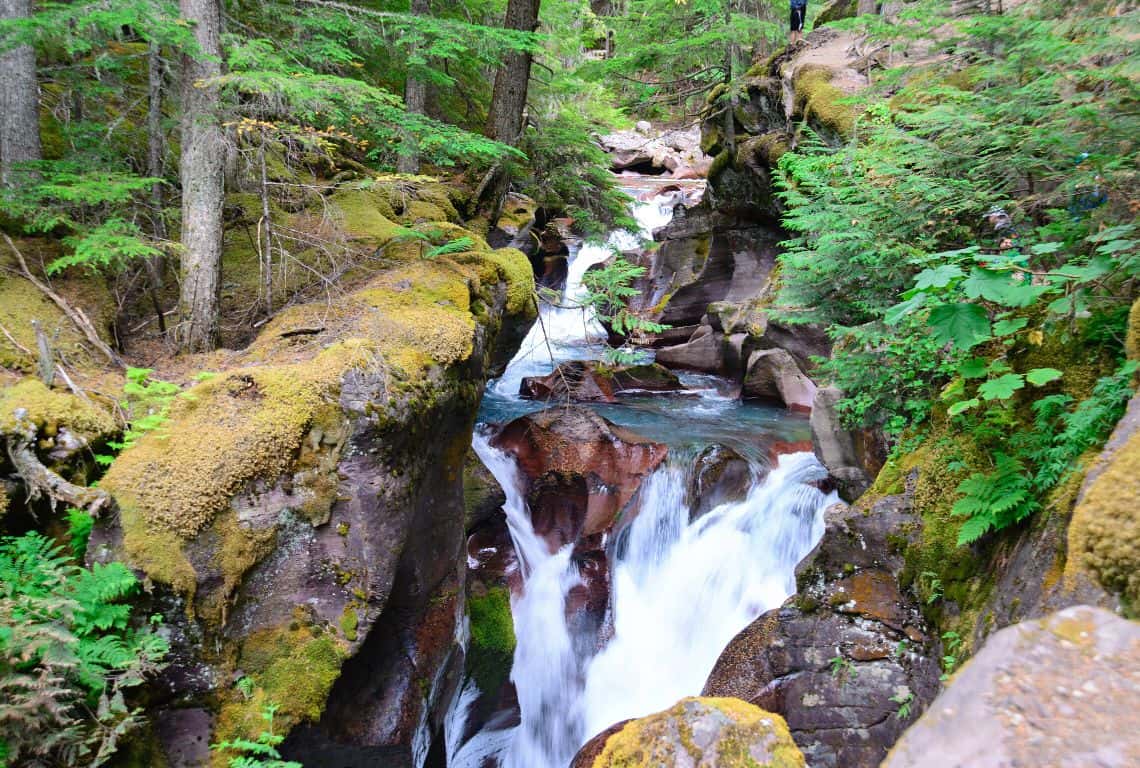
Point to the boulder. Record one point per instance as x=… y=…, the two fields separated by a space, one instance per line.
x=848 y=661
x=720 y=475
x=579 y=470
x=853 y=456
x=591 y=381
x=1056 y=691
x=1104 y=538
x=772 y=374
x=703 y=352
x=696 y=732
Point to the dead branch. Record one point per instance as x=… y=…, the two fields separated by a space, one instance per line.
x=40 y=480
x=73 y=313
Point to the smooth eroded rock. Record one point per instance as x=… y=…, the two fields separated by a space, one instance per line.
x=1057 y=691
x=772 y=374
x=695 y=733
x=848 y=661
x=592 y=381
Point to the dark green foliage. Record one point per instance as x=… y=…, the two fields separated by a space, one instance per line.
x=68 y=653
x=975 y=215
x=608 y=291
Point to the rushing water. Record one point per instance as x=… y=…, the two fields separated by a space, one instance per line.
x=681 y=588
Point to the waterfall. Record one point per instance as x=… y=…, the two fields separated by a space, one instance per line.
x=681 y=591
x=680 y=588
x=566 y=332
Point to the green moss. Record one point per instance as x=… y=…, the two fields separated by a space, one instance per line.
x=514 y=268
x=51 y=409
x=719 y=164
x=349 y=622
x=836 y=10
x=817 y=99
x=1104 y=536
x=359 y=214
x=232 y=429
x=1132 y=340
x=293 y=666
x=492 y=637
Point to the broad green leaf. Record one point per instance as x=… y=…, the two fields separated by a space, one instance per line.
x=938 y=277
x=963 y=406
x=896 y=313
x=1000 y=288
x=1061 y=306
x=1039 y=377
x=1002 y=388
x=974 y=368
x=1041 y=249
x=1006 y=327
x=963 y=325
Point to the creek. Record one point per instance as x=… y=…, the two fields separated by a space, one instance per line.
x=682 y=584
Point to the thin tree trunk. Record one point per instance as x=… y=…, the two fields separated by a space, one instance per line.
x=265 y=233
x=202 y=166
x=508 y=101
x=19 y=104
x=155 y=168
x=415 y=99
x=507 y=115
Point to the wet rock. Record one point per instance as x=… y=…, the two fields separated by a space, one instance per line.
x=703 y=352
x=853 y=456
x=676 y=153
x=579 y=469
x=849 y=660
x=696 y=732
x=1057 y=691
x=482 y=495
x=721 y=475
x=772 y=374
x=591 y=381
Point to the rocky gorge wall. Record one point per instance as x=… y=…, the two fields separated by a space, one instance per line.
x=298 y=519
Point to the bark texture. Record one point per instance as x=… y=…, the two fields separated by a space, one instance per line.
x=508 y=102
x=202 y=173
x=19 y=103
x=415 y=98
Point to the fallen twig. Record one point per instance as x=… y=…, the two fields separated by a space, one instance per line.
x=73 y=313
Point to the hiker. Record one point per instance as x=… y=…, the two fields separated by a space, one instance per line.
x=799 y=13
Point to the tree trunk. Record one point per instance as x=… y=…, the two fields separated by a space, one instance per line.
x=203 y=161
x=415 y=99
x=19 y=104
x=506 y=117
x=866 y=6
x=508 y=101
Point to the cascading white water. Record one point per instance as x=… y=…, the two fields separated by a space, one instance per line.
x=680 y=590
x=563 y=330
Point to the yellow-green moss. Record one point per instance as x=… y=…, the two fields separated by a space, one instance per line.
x=155 y=550
x=232 y=429
x=819 y=100
x=349 y=621
x=293 y=666
x=514 y=268
x=359 y=214
x=1104 y=536
x=648 y=742
x=50 y=409
x=1132 y=340
x=20 y=303
x=719 y=164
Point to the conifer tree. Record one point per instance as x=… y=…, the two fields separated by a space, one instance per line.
x=202 y=177
x=19 y=101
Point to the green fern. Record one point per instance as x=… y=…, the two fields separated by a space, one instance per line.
x=260 y=752
x=994 y=500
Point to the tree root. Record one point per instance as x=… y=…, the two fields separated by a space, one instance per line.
x=40 y=480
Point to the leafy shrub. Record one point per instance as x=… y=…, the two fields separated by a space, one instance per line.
x=68 y=654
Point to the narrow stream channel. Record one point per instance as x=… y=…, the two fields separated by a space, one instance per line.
x=683 y=583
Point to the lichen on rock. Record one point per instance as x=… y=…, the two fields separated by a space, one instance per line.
x=702 y=732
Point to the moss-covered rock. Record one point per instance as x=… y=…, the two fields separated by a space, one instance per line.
x=51 y=409
x=1104 y=536
x=702 y=732
x=820 y=102
x=492 y=637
